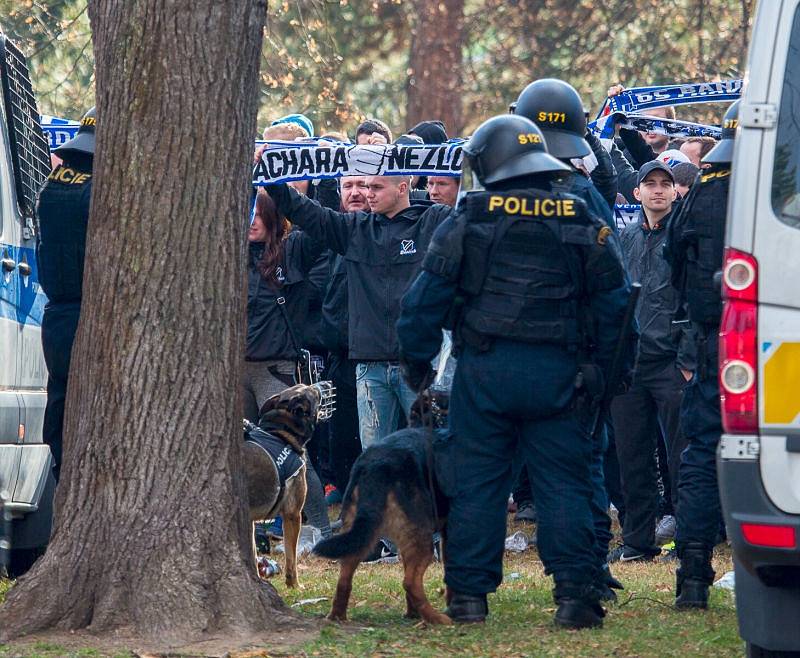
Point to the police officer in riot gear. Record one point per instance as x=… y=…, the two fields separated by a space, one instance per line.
x=63 y=215
x=514 y=272
x=694 y=248
x=556 y=108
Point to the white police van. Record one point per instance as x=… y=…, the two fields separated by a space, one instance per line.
x=759 y=455
x=25 y=463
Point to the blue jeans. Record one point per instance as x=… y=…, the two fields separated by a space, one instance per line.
x=381 y=395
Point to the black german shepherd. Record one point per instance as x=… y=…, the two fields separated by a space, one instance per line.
x=389 y=495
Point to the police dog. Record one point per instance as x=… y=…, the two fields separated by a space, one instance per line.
x=389 y=495
x=291 y=417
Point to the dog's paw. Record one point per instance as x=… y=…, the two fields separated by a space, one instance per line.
x=438 y=618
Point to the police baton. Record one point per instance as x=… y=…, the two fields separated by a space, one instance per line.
x=615 y=371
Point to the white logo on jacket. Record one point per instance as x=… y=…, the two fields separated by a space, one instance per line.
x=407 y=247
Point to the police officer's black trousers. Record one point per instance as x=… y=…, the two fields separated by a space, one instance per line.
x=699 y=509
x=59 y=324
x=516 y=393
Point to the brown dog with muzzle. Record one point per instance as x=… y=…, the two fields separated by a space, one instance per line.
x=274 y=460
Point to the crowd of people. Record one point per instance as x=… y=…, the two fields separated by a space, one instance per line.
x=354 y=277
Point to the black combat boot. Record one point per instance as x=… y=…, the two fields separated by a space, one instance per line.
x=467 y=608
x=694 y=576
x=578 y=605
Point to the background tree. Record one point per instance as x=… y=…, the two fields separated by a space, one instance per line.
x=435 y=67
x=56 y=38
x=151 y=533
x=340 y=60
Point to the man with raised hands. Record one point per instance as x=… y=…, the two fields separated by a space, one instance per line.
x=383 y=250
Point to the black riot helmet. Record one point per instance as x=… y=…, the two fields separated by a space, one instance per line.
x=722 y=153
x=557 y=109
x=504 y=147
x=83 y=142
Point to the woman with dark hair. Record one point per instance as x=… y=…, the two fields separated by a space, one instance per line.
x=278 y=295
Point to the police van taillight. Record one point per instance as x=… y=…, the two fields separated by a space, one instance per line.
x=738 y=339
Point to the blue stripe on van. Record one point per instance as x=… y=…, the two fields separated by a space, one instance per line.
x=21 y=298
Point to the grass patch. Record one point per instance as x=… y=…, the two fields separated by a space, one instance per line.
x=642 y=623
x=5 y=585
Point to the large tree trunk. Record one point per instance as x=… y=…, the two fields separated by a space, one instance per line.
x=151 y=531
x=436 y=64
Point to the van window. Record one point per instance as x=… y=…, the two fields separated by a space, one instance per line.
x=786 y=176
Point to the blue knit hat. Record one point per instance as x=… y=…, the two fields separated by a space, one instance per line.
x=300 y=119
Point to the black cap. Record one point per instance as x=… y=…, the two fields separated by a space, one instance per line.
x=83 y=142
x=650 y=167
x=509 y=146
x=431 y=132
x=409 y=139
x=722 y=153
x=557 y=109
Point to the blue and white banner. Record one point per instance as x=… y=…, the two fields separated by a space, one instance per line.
x=283 y=162
x=648 y=124
x=634 y=101
x=625 y=214
x=58 y=131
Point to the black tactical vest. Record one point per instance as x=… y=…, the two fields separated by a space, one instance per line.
x=521 y=275
x=704 y=234
x=63 y=213
x=287 y=461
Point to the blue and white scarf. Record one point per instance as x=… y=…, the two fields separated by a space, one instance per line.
x=58 y=131
x=634 y=101
x=285 y=162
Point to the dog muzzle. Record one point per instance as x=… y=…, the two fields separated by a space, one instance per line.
x=327 y=400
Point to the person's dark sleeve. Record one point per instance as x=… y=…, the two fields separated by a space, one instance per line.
x=427 y=303
x=313 y=260
x=608 y=289
x=626 y=174
x=327 y=193
x=638 y=148
x=604 y=175
x=423 y=310
x=327 y=226
x=597 y=204
x=687 y=347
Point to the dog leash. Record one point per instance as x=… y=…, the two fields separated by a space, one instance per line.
x=428 y=424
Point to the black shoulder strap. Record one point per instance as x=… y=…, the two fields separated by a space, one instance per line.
x=281 y=302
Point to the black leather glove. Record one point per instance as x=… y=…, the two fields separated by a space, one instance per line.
x=417 y=374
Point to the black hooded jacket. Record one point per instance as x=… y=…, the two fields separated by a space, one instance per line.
x=382 y=257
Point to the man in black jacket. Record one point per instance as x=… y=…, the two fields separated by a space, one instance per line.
x=664 y=364
x=382 y=250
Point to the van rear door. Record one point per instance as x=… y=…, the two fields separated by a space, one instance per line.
x=776 y=247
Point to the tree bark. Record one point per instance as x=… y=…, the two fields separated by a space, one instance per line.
x=151 y=534
x=436 y=65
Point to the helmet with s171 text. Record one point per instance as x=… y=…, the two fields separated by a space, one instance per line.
x=557 y=109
